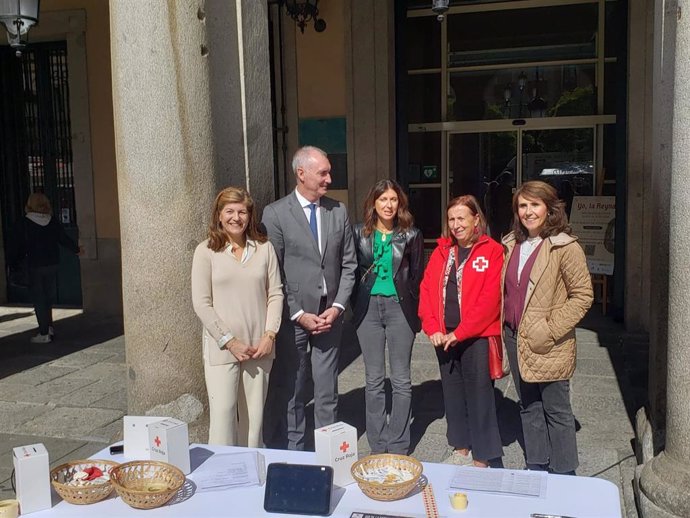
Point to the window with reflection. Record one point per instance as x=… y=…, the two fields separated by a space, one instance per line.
x=423 y=98
x=522 y=35
x=484 y=165
x=424 y=157
x=425 y=207
x=562 y=157
x=423 y=37
x=515 y=93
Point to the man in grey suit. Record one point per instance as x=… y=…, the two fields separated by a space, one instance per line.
x=312 y=237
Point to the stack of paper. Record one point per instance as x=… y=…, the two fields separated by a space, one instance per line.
x=230 y=470
x=500 y=481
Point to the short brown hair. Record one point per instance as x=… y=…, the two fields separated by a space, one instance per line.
x=217 y=239
x=472 y=204
x=556 y=219
x=38 y=202
x=403 y=219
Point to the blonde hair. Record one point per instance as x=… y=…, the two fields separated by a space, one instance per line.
x=38 y=202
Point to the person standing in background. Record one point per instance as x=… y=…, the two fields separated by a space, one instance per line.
x=38 y=239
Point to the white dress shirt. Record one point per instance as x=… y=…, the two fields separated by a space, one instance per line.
x=307 y=213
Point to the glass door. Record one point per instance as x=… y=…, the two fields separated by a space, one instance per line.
x=562 y=157
x=485 y=165
x=491 y=164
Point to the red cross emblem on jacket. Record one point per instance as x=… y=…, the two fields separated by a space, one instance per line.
x=480 y=263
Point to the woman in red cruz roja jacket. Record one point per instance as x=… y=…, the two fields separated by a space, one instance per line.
x=460 y=305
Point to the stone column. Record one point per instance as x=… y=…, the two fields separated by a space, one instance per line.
x=665 y=480
x=191 y=96
x=370 y=72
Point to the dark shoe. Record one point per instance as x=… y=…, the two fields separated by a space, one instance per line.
x=537 y=467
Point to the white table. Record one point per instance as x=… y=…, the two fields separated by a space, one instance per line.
x=580 y=497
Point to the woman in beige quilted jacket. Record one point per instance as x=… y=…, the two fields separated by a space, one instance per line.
x=546 y=289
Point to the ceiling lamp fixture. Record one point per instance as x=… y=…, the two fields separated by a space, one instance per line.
x=18 y=16
x=304 y=11
x=440 y=7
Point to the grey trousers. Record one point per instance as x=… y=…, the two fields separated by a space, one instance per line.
x=300 y=360
x=548 y=424
x=385 y=324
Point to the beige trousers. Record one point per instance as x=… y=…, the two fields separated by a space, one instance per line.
x=236 y=396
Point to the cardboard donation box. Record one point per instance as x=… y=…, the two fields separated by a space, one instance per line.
x=169 y=442
x=336 y=446
x=32 y=476
x=136 y=435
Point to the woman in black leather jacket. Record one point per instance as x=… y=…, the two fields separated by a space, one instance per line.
x=390 y=256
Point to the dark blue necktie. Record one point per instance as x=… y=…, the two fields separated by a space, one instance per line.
x=312 y=223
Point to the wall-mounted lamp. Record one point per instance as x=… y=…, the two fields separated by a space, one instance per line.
x=18 y=16
x=304 y=11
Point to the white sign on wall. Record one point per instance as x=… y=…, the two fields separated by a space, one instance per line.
x=593 y=221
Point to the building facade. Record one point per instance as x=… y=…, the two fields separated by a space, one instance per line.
x=164 y=103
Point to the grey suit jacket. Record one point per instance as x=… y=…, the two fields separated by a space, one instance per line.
x=303 y=267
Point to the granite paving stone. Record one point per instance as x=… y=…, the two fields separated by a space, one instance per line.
x=41 y=374
x=52 y=391
x=115 y=400
x=91 y=393
x=11 y=391
x=583 y=385
x=14 y=415
x=81 y=360
x=595 y=367
x=114 y=372
x=5 y=482
x=432 y=447
x=109 y=433
x=73 y=423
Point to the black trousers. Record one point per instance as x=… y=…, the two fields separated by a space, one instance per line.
x=42 y=288
x=468 y=398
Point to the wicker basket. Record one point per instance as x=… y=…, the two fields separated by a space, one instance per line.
x=146 y=484
x=86 y=494
x=386 y=491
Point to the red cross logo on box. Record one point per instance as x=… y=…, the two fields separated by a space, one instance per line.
x=157 y=441
x=344 y=447
x=480 y=264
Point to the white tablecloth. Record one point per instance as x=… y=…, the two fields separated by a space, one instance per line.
x=579 y=497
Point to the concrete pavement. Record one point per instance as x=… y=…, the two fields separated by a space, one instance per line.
x=71 y=395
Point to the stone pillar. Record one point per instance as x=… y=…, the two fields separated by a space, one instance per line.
x=664 y=50
x=191 y=96
x=370 y=71
x=665 y=480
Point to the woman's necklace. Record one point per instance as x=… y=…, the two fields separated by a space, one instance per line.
x=384 y=232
